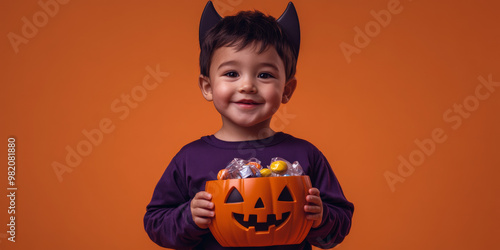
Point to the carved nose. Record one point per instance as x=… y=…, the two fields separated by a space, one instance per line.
x=259 y=203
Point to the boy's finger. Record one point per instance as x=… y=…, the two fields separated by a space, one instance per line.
x=312 y=209
x=313 y=217
x=197 y=203
x=199 y=212
x=203 y=195
x=314 y=191
x=313 y=199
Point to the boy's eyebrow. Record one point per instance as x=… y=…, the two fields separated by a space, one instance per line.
x=271 y=65
x=264 y=64
x=227 y=63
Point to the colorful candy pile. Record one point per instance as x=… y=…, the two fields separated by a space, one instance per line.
x=240 y=169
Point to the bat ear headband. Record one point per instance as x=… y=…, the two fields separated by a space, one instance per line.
x=288 y=22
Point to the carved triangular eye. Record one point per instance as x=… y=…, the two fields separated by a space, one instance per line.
x=259 y=203
x=234 y=196
x=285 y=195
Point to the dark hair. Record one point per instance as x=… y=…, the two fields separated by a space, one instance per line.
x=243 y=29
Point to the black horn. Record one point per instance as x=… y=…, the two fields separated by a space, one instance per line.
x=209 y=19
x=289 y=23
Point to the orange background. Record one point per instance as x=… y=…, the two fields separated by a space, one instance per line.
x=363 y=115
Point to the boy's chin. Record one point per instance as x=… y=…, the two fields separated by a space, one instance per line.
x=248 y=124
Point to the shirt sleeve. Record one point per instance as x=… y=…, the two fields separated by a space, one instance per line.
x=168 y=220
x=337 y=211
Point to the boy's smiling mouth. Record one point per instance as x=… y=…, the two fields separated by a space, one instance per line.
x=247 y=103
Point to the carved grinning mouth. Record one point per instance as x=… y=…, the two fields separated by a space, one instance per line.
x=260 y=226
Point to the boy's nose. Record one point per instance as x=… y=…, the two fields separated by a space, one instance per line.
x=247 y=86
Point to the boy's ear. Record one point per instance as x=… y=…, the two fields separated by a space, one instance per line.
x=205 y=87
x=289 y=89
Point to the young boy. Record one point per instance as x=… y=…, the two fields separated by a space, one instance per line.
x=247 y=66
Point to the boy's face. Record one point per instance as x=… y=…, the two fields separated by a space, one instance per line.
x=247 y=88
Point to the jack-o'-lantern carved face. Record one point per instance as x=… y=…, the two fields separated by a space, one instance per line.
x=260 y=211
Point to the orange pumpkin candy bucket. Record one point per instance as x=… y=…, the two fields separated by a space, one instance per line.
x=260 y=211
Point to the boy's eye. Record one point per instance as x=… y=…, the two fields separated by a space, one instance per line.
x=265 y=75
x=231 y=74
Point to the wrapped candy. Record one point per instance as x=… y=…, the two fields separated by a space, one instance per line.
x=296 y=169
x=279 y=167
x=265 y=172
x=282 y=167
x=240 y=169
x=254 y=162
x=223 y=174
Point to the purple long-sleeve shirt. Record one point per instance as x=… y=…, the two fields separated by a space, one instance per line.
x=168 y=220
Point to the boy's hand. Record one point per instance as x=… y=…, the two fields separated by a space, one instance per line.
x=314 y=208
x=202 y=209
